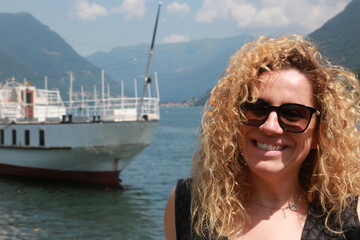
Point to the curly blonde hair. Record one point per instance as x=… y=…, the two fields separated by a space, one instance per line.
x=329 y=175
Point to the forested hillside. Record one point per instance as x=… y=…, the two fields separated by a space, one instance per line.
x=29 y=49
x=339 y=38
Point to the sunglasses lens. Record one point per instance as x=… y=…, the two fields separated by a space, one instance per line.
x=294 y=118
x=255 y=113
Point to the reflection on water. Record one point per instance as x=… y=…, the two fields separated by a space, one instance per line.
x=41 y=209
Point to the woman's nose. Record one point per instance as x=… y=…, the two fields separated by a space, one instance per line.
x=271 y=125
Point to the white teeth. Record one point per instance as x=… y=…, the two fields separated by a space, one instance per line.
x=268 y=147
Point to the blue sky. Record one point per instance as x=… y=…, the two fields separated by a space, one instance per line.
x=100 y=25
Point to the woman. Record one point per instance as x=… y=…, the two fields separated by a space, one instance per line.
x=279 y=154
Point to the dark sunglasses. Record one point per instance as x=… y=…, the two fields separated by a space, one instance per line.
x=292 y=117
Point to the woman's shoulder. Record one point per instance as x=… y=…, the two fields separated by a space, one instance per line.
x=351 y=220
x=177 y=211
x=316 y=222
x=182 y=200
x=183 y=187
x=182 y=208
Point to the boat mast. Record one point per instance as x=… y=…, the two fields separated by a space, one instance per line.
x=136 y=92
x=46 y=86
x=108 y=94
x=147 y=78
x=157 y=86
x=103 y=91
x=71 y=90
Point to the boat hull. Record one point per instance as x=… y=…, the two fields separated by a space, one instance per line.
x=110 y=178
x=89 y=152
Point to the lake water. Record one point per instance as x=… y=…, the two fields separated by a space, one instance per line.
x=40 y=209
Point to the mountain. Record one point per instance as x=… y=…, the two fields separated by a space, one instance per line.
x=339 y=38
x=185 y=70
x=188 y=70
x=29 y=49
x=10 y=66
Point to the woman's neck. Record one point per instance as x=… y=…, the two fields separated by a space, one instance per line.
x=275 y=193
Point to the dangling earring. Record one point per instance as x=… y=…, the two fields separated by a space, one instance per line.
x=242 y=160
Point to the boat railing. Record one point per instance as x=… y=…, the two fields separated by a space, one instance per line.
x=114 y=109
x=25 y=103
x=49 y=97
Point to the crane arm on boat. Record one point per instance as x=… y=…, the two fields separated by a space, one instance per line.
x=147 y=78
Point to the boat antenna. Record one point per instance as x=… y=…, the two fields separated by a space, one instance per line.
x=147 y=78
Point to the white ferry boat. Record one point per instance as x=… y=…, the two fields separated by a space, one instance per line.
x=85 y=140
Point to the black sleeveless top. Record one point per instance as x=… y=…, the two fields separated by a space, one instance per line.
x=314 y=228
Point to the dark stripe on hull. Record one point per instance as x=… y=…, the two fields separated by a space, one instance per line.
x=110 y=178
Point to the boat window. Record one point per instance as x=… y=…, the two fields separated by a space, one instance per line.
x=14 y=137
x=29 y=96
x=27 y=137
x=42 y=137
x=2 y=137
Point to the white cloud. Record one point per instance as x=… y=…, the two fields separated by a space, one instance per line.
x=213 y=9
x=176 y=38
x=306 y=14
x=317 y=14
x=131 y=9
x=244 y=15
x=178 y=8
x=86 y=11
x=272 y=16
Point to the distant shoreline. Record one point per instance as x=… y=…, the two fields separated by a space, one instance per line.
x=176 y=104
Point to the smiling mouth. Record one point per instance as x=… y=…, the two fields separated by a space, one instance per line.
x=268 y=147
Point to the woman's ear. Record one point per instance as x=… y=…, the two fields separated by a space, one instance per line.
x=315 y=139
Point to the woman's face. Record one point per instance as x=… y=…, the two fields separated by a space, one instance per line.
x=268 y=149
